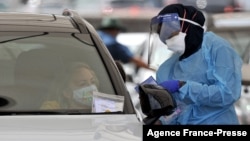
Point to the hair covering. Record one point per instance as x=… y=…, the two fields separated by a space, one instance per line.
x=194 y=33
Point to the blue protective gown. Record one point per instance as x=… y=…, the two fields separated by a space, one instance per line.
x=213 y=83
x=118 y=51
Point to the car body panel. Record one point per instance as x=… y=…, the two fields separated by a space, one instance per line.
x=70 y=127
x=30 y=22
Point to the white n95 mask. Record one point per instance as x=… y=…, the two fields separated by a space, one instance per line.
x=84 y=95
x=177 y=43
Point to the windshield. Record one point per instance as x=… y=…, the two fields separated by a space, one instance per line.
x=51 y=72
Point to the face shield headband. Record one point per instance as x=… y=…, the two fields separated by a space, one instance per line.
x=168 y=25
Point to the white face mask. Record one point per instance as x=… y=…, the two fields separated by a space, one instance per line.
x=177 y=43
x=84 y=95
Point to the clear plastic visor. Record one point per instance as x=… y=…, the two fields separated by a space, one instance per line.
x=157 y=51
x=165 y=25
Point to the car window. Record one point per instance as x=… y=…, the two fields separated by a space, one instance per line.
x=35 y=69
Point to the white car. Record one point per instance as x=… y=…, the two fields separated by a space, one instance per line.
x=35 y=52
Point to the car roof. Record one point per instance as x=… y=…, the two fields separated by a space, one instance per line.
x=42 y=22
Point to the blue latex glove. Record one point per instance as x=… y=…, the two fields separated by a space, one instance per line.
x=171 y=85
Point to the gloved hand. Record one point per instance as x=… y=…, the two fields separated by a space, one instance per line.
x=171 y=85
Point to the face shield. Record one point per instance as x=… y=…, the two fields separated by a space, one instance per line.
x=163 y=27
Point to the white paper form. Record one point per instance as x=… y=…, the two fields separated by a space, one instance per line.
x=107 y=102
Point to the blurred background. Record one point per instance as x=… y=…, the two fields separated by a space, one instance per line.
x=138 y=10
x=228 y=18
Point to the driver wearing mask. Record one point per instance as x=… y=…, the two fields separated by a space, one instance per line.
x=73 y=89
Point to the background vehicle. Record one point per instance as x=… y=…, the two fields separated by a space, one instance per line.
x=34 y=49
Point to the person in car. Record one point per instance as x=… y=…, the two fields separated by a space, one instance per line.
x=73 y=88
x=108 y=31
x=204 y=74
